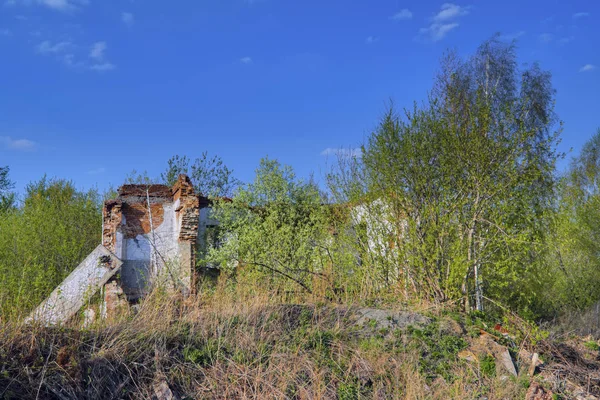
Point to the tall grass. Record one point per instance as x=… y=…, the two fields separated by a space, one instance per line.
x=229 y=343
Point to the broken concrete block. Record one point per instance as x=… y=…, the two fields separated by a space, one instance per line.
x=531 y=360
x=162 y=391
x=486 y=345
x=503 y=356
x=76 y=290
x=535 y=359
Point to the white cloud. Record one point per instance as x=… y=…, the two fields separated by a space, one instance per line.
x=587 y=68
x=246 y=60
x=342 y=152
x=444 y=21
x=71 y=56
x=103 y=67
x=371 y=39
x=5 y=32
x=18 y=144
x=401 y=15
x=100 y=63
x=546 y=37
x=97 y=51
x=450 y=11
x=69 y=60
x=437 y=31
x=127 y=18
x=46 y=47
x=59 y=5
x=581 y=15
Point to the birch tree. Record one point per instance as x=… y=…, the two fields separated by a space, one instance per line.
x=472 y=172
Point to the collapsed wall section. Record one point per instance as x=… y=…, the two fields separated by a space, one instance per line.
x=78 y=288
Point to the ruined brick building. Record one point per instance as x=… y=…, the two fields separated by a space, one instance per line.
x=150 y=234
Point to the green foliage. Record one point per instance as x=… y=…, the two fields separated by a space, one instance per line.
x=572 y=278
x=203 y=355
x=487 y=366
x=438 y=350
x=456 y=192
x=592 y=345
x=210 y=175
x=348 y=391
x=136 y=177
x=44 y=240
x=319 y=341
x=272 y=230
x=7 y=197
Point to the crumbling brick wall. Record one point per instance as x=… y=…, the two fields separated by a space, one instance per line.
x=188 y=212
x=111 y=220
x=154 y=230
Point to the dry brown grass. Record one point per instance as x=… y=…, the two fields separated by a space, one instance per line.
x=230 y=344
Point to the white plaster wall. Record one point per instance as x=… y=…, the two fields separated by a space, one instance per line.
x=150 y=257
x=377 y=217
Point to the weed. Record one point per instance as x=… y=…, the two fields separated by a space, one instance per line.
x=487 y=366
x=592 y=345
x=438 y=350
x=348 y=391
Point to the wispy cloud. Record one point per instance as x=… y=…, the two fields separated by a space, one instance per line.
x=59 y=5
x=47 y=47
x=97 y=171
x=127 y=18
x=402 y=15
x=70 y=54
x=246 y=60
x=450 y=11
x=18 y=144
x=566 y=40
x=444 y=21
x=587 y=68
x=97 y=54
x=103 y=67
x=342 y=152
x=545 y=37
x=581 y=15
x=371 y=39
x=5 y=32
x=438 y=31
x=97 y=51
x=69 y=60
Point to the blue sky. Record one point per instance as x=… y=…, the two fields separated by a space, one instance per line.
x=91 y=89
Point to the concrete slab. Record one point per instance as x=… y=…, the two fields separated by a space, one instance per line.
x=76 y=290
